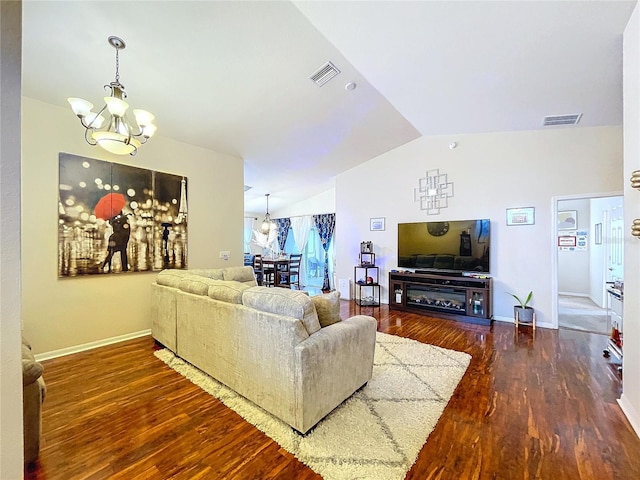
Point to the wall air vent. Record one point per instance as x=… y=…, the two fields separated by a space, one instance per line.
x=553 y=120
x=324 y=74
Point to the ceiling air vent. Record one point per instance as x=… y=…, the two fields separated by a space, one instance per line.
x=324 y=74
x=553 y=120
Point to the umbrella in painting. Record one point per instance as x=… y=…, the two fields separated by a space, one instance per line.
x=109 y=205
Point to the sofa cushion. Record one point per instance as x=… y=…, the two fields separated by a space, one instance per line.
x=212 y=273
x=240 y=274
x=282 y=301
x=196 y=284
x=227 y=291
x=171 y=277
x=327 y=308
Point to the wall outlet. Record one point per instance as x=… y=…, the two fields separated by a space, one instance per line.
x=225 y=254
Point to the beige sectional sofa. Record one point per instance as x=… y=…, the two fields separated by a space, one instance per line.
x=268 y=344
x=33 y=392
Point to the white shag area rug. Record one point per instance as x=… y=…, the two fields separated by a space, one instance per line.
x=375 y=434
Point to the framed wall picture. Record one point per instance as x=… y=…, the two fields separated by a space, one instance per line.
x=521 y=216
x=376 y=224
x=115 y=218
x=567 y=241
x=568 y=220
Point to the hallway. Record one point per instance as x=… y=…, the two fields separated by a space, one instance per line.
x=580 y=313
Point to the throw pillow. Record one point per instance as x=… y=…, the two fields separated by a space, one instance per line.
x=240 y=274
x=282 y=301
x=170 y=277
x=196 y=284
x=227 y=291
x=327 y=308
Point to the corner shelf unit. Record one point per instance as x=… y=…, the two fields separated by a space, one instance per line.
x=466 y=299
x=367 y=285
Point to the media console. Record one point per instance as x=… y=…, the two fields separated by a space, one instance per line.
x=455 y=297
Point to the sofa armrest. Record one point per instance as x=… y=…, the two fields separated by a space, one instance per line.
x=32 y=397
x=332 y=364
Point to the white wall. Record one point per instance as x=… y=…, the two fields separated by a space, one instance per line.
x=63 y=313
x=573 y=265
x=490 y=172
x=630 y=400
x=11 y=438
x=324 y=202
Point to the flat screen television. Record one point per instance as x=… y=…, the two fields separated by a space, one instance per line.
x=459 y=246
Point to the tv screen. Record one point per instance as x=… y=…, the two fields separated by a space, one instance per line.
x=457 y=246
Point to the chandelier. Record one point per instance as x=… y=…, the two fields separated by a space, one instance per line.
x=115 y=133
x=266 y=223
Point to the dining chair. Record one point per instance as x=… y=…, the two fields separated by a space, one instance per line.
x=268 y=273
x=294 y=270
x=258 y=269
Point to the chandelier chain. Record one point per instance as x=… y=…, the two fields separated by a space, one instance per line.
x=117 y=65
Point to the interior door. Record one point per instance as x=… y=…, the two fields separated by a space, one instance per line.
x=615 y=271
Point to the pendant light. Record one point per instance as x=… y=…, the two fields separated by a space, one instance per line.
x=116 y=135
x=266 y=223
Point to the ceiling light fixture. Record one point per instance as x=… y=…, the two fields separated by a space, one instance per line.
x=266 y=223
x=118 y=136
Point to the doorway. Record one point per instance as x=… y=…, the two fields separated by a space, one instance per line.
x=588 y=245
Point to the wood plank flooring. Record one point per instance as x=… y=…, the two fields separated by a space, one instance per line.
x=540 y=407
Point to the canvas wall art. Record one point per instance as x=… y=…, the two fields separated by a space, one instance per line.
x=115 y=218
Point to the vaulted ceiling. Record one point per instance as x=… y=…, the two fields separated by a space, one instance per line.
x=235 y=76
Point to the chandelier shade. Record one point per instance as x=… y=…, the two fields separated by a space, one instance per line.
x=116 y=143
x=111 y=127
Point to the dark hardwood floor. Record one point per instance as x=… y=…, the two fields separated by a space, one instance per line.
x=528 y=407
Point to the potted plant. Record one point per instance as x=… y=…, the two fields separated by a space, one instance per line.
x=523 y=312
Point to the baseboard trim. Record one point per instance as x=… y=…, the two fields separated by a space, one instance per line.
x=90 y=346
x=574 y=294
x=513 y=322
x=630 y=412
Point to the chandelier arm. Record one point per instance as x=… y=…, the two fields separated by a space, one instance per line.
x=127 y=127
x=88 y=139
x=90 y=126
x=136 y=135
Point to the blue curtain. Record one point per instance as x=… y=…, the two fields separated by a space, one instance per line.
x=325 y=224
x=283 y=231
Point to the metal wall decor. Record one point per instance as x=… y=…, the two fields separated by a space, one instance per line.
x=433 y=192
